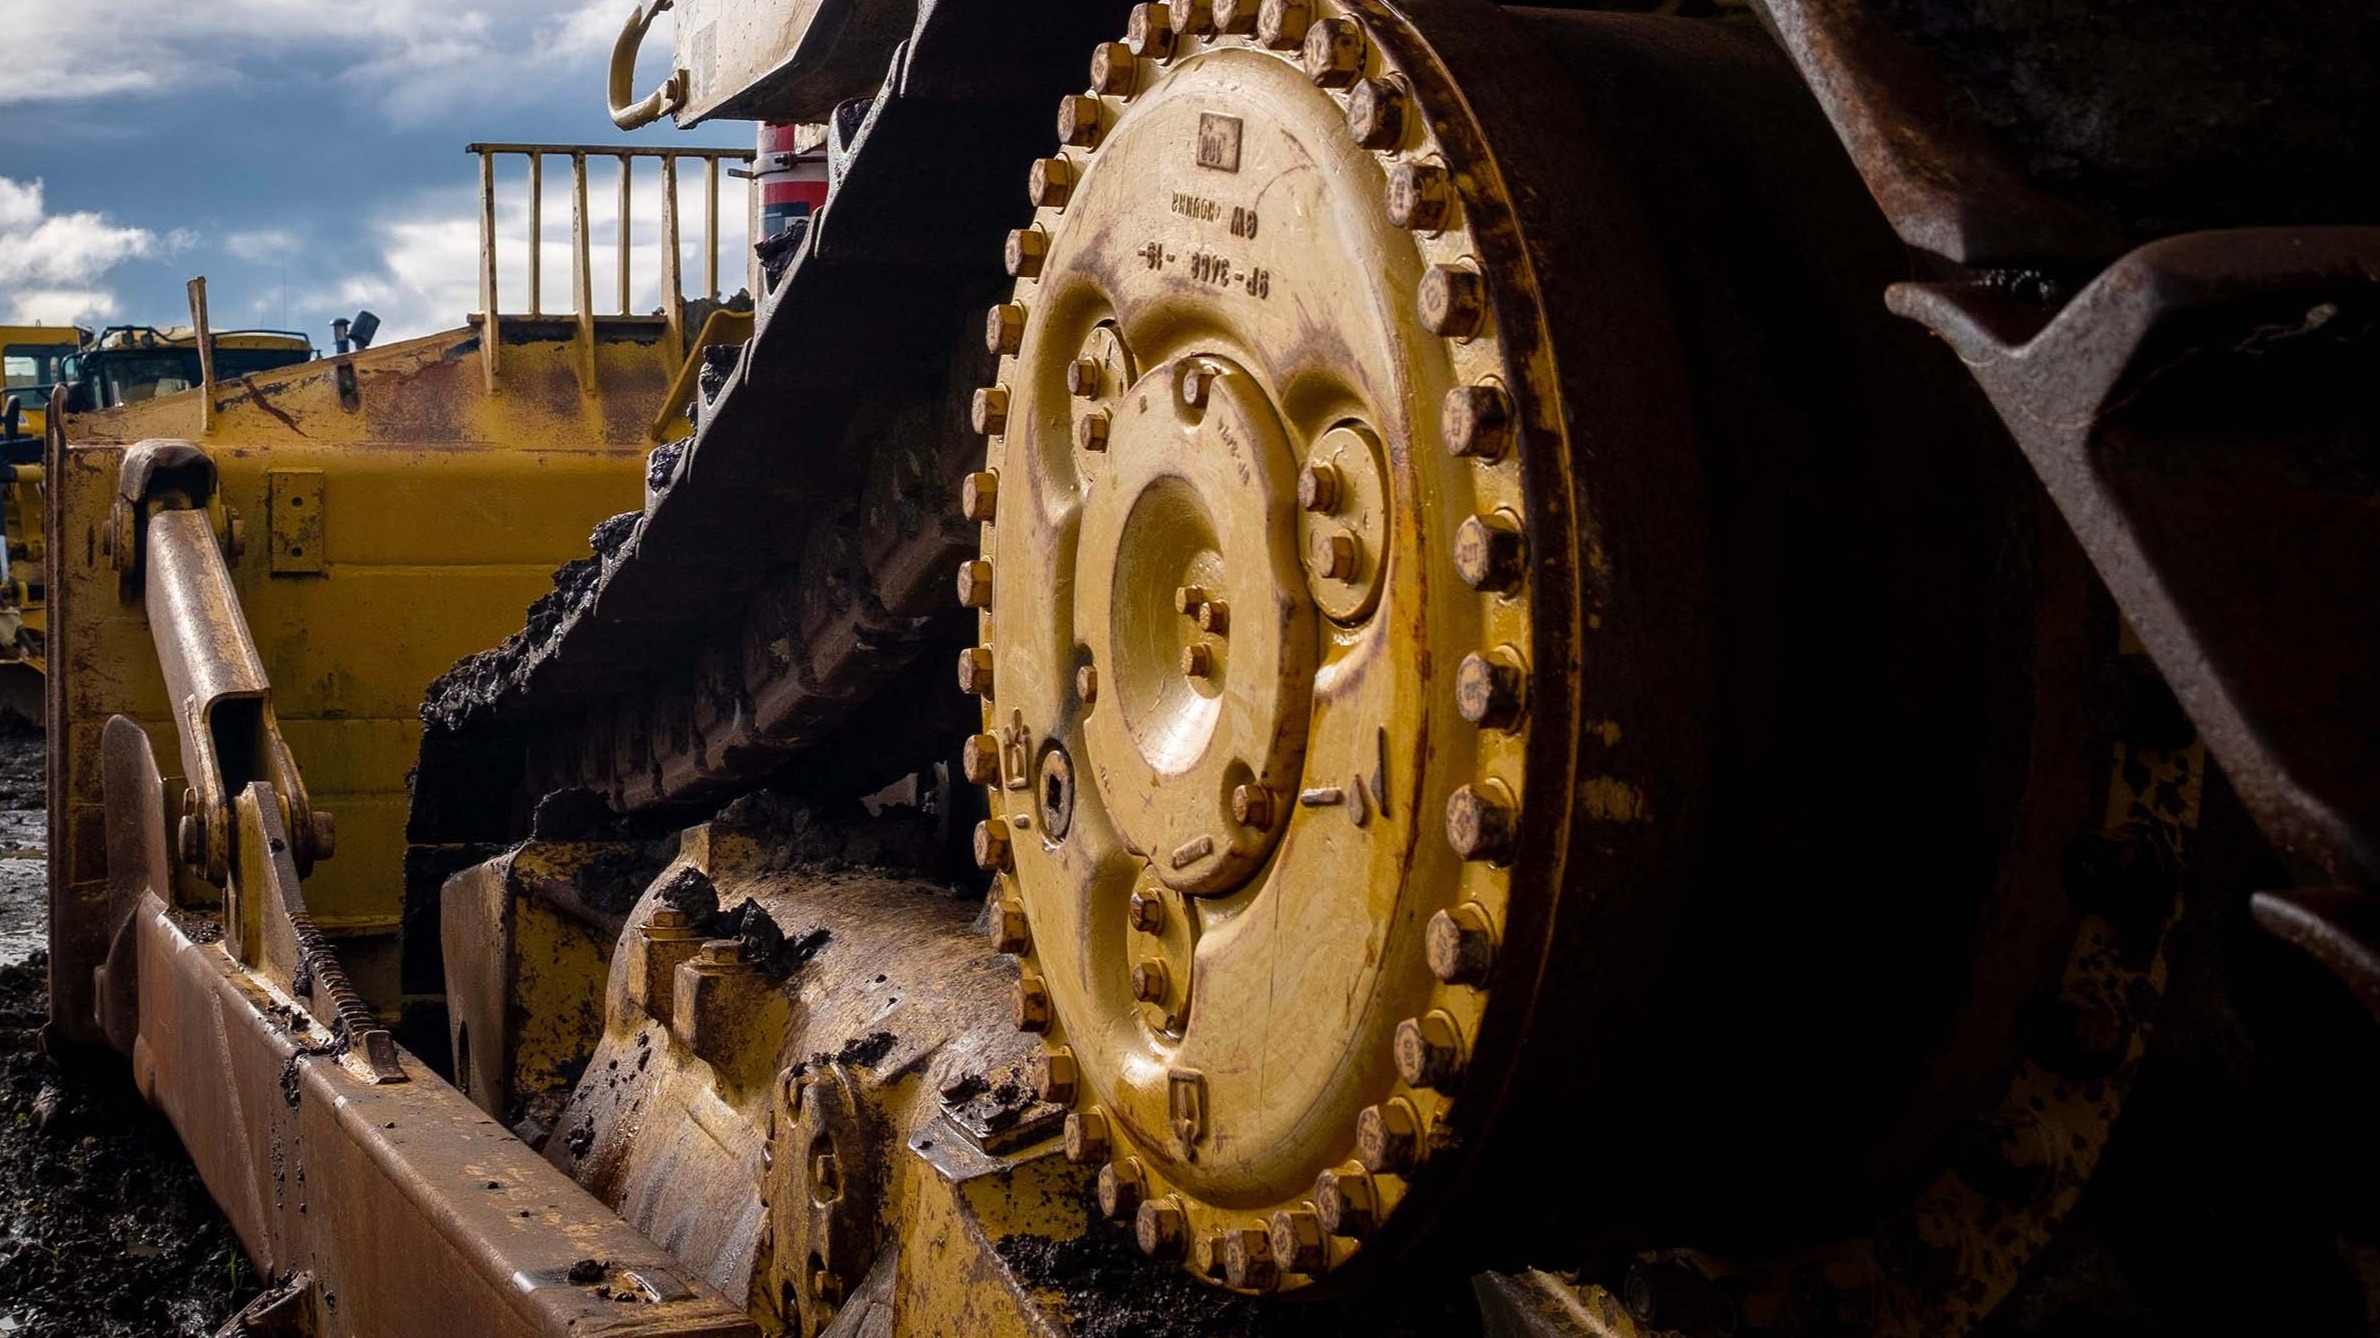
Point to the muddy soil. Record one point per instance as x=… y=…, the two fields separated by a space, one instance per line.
x=105 y=1229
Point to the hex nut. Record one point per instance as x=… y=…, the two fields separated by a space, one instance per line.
x=1161 y=1228
x=979 y=497
x=1429 y=1050
x=975 y=670
x=1346 y=1201
x=1032 y=1004
x=1196 y=380
x=1090 y=431
x=1198 y=660
x=1235 y=16
x=1026 y=249
x=1086 y=1137
x=1011 y=932
x=1082 y=378
x=1452 y=301
x=989 y=411
x=1186 y=599
x=1482 y=823
x=1491 y=687
x=1388 y=1137
x=1248 y=1250
x=1477 y=421
x=1420 y=196
x=1121 y=1185
x=975 y=584
x=1333 y=57
x=994 y=853
x=1376 y=114
x=1214 y=616
x=1086 y=683
x=1298 y=1242
x=1055 y=1075
x=1003 y=328
x=1488 y=553
x=1460 y=944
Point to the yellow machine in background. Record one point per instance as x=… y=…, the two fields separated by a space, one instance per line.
x=35 y=361
x=1419 y=669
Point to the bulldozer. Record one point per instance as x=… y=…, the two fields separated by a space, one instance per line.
x=1312 y=666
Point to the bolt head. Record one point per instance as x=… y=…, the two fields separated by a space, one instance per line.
x=1055 y=1075
x=1033 y=1011
x=1334 y=556
x=1482 y=822
x=1150 y=979
x=1121 y=1186
x=1079 y=120
x=1488 y=553
x=979 y=759
x=1198 y=660
x=993 y=851
x=1318 y=488
x=989 y=411
x=1452 y=301
x=1025 y=251
x=325 y=827
x=1090 y=431
x=1281 y=24
x=975 y=671
x=667 y=917
x=1086 y=1137
x=190 y=835
x=1082 y=378
x=1376 y=114
x=1420 y=196
x=1253 y=806
x=1003 y=328
x=975 y=584
x=1114 y=70
x=1050 y=183
x=1161 y=1228
x=1346 y=1201
x=1011 y=933
x=1147 y=912
x=1149 y=31
x=1477 y=421
x=1214 y=617
x=1298 y=1242
x=1388 y=1137
x=1248 y=1255
x=1086 y=684
x=1187 y=598
x=721 y=952
x=1235 y=16
x=1429 y=1051
x=1196 y=381
x=1334 y=56
x=1490 y=688
x=1460 y=945
x=979 y=497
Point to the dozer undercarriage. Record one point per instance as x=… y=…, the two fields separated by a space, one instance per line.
x=1616 y=673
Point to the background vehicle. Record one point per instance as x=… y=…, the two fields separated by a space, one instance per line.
x=1695 y=671
x=130 y=363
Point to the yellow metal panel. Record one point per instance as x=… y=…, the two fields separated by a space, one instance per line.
x=294 y=522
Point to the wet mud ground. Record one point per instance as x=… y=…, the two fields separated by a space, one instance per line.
x=105 y=1229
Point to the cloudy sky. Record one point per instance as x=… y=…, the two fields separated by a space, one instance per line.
x=305 y=155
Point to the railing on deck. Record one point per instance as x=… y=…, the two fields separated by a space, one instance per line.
x=582 y=250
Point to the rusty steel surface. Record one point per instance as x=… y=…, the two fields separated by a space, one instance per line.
x=2201 y=415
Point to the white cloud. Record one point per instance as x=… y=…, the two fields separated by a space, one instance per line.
x=52 y=265
x=261 y=244
x=429 y=271
x=411 y=59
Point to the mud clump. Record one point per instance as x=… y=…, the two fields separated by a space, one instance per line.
x=105 y=1228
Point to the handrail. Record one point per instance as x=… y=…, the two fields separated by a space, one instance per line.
x=672 y=283
x=652 y=106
